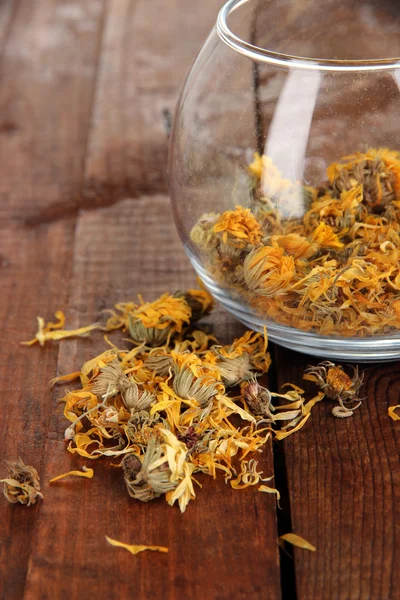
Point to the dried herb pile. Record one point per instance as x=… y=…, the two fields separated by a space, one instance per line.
x=176 y=402
x=334 y=270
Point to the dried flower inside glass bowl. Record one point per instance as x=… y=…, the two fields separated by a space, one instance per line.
x=334 y=270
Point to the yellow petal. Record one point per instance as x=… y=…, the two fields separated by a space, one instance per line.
x=270 y=490
x=236 y=409
x=63 y=378
x=134 y=549
x=392 y=414
x=86 y=472
x=296 y=540
x=280 y=435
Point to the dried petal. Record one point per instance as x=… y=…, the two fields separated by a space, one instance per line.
x=134 y=549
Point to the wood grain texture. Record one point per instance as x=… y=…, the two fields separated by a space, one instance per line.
x=44 y=110
x=119 y=251
x=72 y=145
x=344 y=486
x=147 y=51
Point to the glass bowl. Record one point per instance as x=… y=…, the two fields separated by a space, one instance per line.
x=285 y=172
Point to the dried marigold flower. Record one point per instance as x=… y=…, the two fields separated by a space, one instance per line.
x=239 y=228
x=200 y=303
x=337 y=385
x=203 y=234
x=137 y=400
x=111 y=380
x=189 y=387
x=258 y=399
x=22 y=484
x=160 y=364
x=377 y=170
x=152 y=479
x=268 y=271
x=153 y=322
x=234 y=370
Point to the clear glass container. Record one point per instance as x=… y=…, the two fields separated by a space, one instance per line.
x=285 y=172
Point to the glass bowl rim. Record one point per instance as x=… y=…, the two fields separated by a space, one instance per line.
x=264 y=55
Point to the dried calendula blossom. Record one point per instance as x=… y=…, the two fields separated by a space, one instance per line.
x=337 y=385
x=321 y=259
x=239 y=228
x=153 y=322
x=268 y=271
x=22 y=484
x=258 y=398
x=152 y=477
x=168 y=406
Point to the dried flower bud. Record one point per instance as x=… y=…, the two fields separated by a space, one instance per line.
x=203 y=234
x=258 y=399
x=200 y=303
x=137 y=400
x=147 y=335
x=333 y=380
x=69 y=433
x=160 y=364
x=235 y=370
x=111 y=380
x=150 y=481
x=268 y=271
x=131 y=466
x=22 y=484
x=188 y=387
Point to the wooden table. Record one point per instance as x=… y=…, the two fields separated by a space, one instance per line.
x=86 y=90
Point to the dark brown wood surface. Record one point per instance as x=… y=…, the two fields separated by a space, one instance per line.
x=344 y=485
x=86 y=93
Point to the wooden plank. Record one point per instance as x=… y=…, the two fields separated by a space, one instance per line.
x=344 y=485
x=45 y=100
x=148 y=49
x=119 y=251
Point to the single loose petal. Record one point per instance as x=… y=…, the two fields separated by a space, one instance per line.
x=296 y=540
x=392 y=412
x=86 y=472
x=135 y=549
x=270 y=490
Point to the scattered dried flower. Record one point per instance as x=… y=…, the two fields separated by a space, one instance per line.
x=22 y=484
x=337 y=385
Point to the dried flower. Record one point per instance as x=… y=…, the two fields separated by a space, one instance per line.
x=239 y=228
x=203 y=234
x=154 y=477
x=190 y=438
x=268 y=271
x=234 y=370
x=332 y=270
x=258 y=398
x=22 y=484
x=337 y=385
x=189 y=387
